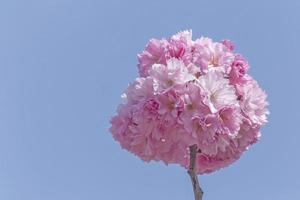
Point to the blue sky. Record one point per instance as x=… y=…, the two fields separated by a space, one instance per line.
x=65 y=63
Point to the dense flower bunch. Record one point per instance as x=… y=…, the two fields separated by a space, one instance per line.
x=190 y=92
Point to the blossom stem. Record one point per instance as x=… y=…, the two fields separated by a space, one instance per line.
x=198 y=193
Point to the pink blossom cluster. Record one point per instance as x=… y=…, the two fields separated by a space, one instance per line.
x=190 y=92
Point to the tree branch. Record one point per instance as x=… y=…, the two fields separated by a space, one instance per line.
x=198 y=193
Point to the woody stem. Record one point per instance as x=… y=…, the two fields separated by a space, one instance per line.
x=198 y=193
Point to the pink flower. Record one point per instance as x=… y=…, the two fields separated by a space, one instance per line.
x=248 y=135
x=221 y=159
x=238 y=70
x=147 y=123
x=171 y=103
x=193 y=99
x=213 y=132
x=154 y=53
x=211 y=54
x=180 y=46
x=205 y=128
x=120 y=124
x=219 y=93
x=190 y=93
x=170 y=75
x=159 y=51
x=253 y=102
x=184 y=36
x=230 y=120
x=229 y=44
x=140 y=90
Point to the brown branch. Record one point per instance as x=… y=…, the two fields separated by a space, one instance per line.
x=198 y=193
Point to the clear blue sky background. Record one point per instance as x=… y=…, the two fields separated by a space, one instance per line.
x=65 y=63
